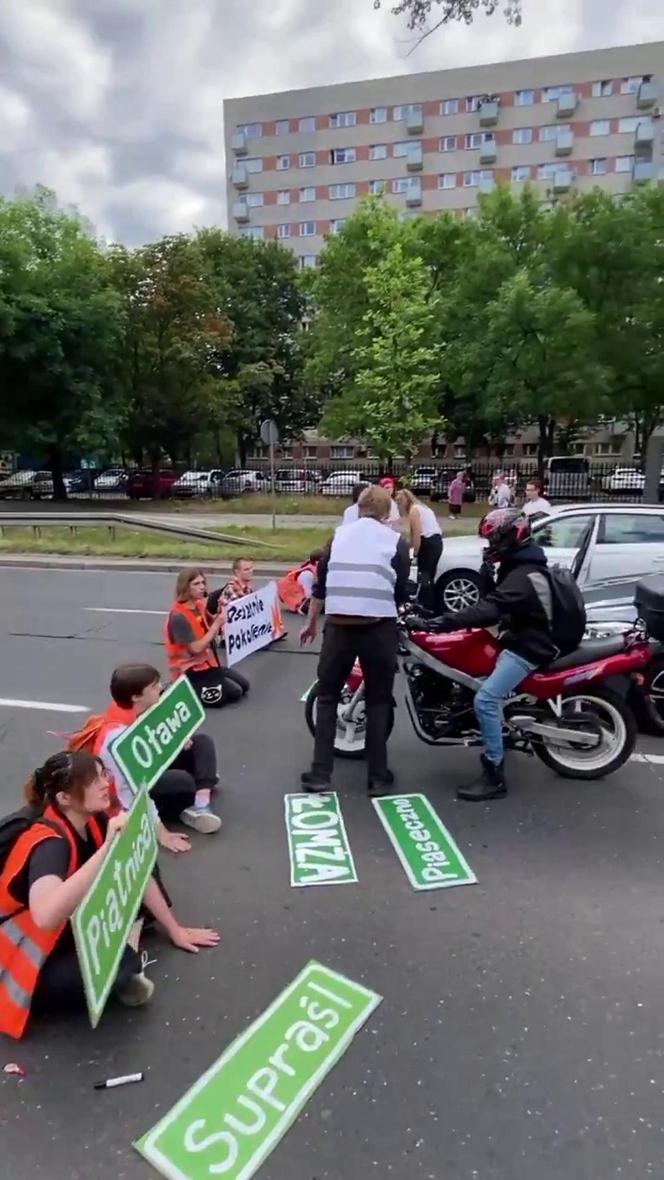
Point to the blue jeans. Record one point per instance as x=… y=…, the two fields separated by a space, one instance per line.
x=509 y=671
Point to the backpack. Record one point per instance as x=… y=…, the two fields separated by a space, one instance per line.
x=569 y=610
x=14 y=825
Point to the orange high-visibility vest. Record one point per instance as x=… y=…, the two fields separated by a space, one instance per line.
x=179 y=657
x=114 y=717
x=24 y=946
x=289 y=589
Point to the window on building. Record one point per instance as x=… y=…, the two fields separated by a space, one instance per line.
x=407 y=184
x=378 y=151
x=343 y=156
x=520 y=173
x=253 y=165
x=603 y=89
x=307 y=229
x=251 y=130
x=283 y=196
x=477 y=176
x=402 y=149
x=460 y=451
x=378 y=115
x=377 y=187
x=547 y=171
x=346 y=119
x=525 y=98
x=311 y=452
x=307 y=160
x=478 y=139
x=450 y=106
x=473 y=103
x=551 y=133
x=410 y=110
x=342 y=192
x=283 y=231
x=256 y=232
x=307 y=261
x=307 y=194
x=447 y=180
x=522 y=135
x=283 y=163
x=624 y=163
x=632 y=85
x=553 y=93
x=448 y=143
x=610 y=446
x=282 y=127
x=337 y=225
x=599 y=167
x=600 y=127
x=530 y=448
x=254 y=200
x=341 y=451
x=629 y=124
x=306 y=125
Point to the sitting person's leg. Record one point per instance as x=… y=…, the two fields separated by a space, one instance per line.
x=60 y=986
x=213 y=688
x=234 y=680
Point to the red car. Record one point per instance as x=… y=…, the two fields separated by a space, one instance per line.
x=145 y=485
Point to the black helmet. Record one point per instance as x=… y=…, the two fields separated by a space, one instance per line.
x=506 y=529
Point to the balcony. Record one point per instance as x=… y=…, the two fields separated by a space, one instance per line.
x=239 y=143
x=564 y=143
x=414 y=198
x=566 y=106
x=239 y=176
x=241 y=212
x=414 y=159
x=644 y=137
x=414 y=123
x=489 y=113
x=647 y=95
x=644 y=172
x=488 y=152
x=563 y=180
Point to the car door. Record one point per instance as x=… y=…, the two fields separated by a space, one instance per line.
x=561 y=537
x=629 y=544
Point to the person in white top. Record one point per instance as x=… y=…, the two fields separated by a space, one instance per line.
x=535 y=502
x=426 y=541
x=352 y=512
x=501 y=492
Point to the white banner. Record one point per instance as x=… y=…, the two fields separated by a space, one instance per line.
x=252 y=622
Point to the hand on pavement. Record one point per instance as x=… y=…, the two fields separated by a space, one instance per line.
x=191 y=939
x=174 y=841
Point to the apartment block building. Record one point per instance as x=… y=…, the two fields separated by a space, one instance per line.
x=299 y=161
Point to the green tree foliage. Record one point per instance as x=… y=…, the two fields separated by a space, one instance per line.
x=419 y=12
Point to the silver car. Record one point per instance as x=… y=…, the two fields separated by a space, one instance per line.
x=623 y=541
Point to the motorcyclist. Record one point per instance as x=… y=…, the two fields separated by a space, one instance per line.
x=521 y=602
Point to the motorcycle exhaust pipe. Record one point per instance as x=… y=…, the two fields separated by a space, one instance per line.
x=558 y=734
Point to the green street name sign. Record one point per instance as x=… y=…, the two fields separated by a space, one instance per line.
x=317 y=842
x=230 y=1120
x=146 y=749
x=104 y=918
x=430 y=858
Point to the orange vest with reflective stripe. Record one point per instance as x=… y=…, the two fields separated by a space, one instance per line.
x=289 y=589
x=114 y=717
x=24 y=946
x=179 y=657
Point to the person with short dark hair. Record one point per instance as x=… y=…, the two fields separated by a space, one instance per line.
x=191 y=635
x=535 y=503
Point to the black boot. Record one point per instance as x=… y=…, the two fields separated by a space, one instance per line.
x=312 y=782
x=491 y=785
x=380 y=784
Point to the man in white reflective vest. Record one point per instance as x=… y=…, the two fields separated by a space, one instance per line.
x=362 y=578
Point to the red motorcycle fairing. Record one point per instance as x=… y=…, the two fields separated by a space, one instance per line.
x=472 y=652
x=548 y=684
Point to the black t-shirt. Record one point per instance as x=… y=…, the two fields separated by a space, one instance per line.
x=51 y=859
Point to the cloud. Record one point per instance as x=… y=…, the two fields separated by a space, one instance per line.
x=117 y=104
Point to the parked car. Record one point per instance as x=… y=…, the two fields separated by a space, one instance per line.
x=17 y=486
x=112 y=480
x=625 y=541
x=198 y=483
x=625 y=480
x=80 y=481
x=422 y=480
x=145 y=485
x=239 y=482
x=439 y=487
x=341 y=483
x=42 y=485
x=297 y=481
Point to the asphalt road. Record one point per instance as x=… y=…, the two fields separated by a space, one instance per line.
x=520 y=1035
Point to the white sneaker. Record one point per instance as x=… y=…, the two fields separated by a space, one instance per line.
x=137 y=991
x=201 y=819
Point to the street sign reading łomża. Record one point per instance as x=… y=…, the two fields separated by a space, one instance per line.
x=147 y=747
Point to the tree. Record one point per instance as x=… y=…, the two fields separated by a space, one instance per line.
x=418 y=12
x=60 y=334
x=391 y=398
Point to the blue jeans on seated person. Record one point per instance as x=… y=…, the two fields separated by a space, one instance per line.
x=508 y=673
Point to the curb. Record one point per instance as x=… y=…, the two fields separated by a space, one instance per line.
x=40 y=561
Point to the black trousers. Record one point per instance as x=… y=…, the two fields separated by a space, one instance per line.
x=427 y=563
x=375 y=645
x=193 y=768
x=60 y=984
x=216 y=687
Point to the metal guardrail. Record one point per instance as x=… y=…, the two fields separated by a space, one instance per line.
x=111 y=520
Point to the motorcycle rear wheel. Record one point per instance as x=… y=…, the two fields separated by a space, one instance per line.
x=343 y=748
x=618 y=724
x=651 y=704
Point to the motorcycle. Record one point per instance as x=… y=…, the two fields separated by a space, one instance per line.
x=573 y=715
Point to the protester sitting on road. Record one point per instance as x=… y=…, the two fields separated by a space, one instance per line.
x=426 y=541
x=535 y=504
x=240 y=584
x=183 y=792
x=191 y=635
x=48 y=871
x=295 y=588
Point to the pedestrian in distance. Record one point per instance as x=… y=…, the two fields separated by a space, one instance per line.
x=47 y=870
x=501 y=495
x=426 y=540
x=362 y=579
x=191 y=635
x=351 y=513
x=535 y=503
x=455 y=494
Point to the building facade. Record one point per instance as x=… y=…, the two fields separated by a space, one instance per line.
x=298 y=162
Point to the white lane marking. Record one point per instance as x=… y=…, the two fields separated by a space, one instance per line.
x=123 y=610
x=656 y=759
x=48 y=706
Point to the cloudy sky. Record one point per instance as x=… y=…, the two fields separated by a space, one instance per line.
x=117 y=104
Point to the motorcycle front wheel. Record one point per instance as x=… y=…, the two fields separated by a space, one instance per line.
x=617 y=724
x=350 y=739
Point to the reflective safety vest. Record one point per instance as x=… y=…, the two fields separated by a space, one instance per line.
x=289 y=589
x=179 y=657
x=113 y=718
x=24 y=947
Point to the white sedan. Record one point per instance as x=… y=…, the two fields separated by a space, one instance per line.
x=340 y=483
x=625 y=480
x=625 y=540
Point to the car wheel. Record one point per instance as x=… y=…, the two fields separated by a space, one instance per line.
x=456 y=590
